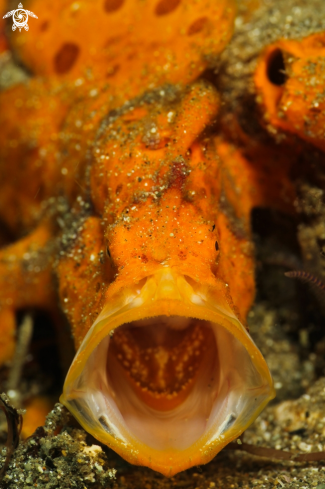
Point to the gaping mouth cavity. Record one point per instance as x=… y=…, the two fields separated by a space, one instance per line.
x=168 y=381
x=161 y=359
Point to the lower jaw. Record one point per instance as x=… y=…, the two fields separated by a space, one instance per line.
x=193 y=432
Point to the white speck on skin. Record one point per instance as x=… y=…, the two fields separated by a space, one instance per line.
x=79 y=82
x=170 y=116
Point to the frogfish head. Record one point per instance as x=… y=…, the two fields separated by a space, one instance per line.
x=167 y=375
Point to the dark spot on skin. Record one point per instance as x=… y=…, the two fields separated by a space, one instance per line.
x=216 y=246
x=119 y=188
x=139 y=179
x=113 y=41
x=112 y=70
x=213 y=227
x=197 y=26
x=165 y=7
x=44 y=26
x=144 y=259
x=65 y=58
x=108 y=252
x=131 y=56
x=97 y=286
x=111 y=6
x=182 y=255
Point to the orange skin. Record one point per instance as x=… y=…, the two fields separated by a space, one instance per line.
x=54 y=166
x=3 y=41
x=37 y=165
x=147 y=231
x=164 y=197
x=122 y=38
x=153 y=184
x=297 y=106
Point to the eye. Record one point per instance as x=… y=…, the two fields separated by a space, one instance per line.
x=216 y=245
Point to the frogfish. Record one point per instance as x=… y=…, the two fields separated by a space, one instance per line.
x=130 y=210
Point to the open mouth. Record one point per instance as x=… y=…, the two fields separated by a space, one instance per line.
x=168 y=377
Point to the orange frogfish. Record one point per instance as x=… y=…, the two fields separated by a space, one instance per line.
x=131 y=210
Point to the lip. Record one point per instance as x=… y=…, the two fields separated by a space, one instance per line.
x=168 y=294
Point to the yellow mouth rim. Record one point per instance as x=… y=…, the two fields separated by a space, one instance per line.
x=135 y=451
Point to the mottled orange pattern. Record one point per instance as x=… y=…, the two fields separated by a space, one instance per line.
x=46 y=157
x=113 y=160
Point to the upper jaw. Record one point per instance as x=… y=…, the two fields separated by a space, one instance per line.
x=231 y=387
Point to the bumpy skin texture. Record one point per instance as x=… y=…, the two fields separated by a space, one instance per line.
x=50 y=126
x=158 y=198
x=113 y=145
x=51 y=163
x=296 y=105
x=109 y=40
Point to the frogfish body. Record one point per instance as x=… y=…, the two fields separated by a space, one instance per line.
x=167 y=374
x=133 y=211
